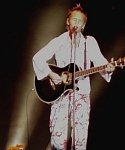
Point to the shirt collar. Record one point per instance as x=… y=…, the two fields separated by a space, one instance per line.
x=82 y=40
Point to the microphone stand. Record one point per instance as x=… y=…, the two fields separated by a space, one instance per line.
x=75 y=33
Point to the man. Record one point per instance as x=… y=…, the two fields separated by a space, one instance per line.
x=74 y=106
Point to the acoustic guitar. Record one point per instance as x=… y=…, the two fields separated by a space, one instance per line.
x=48 y=92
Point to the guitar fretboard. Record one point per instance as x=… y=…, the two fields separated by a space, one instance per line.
x=90 y=71
x=120 y=62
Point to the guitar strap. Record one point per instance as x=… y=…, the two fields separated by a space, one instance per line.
x=85 y=53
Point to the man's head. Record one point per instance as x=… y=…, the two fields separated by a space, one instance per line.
x=76 y=18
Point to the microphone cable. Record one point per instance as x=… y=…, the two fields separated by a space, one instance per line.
x=27 y=120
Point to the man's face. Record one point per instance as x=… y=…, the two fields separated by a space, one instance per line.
x=76 y=19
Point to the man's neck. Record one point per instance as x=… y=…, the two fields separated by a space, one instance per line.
x=76 y=39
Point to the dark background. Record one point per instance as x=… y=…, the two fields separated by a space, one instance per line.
x=106 y=22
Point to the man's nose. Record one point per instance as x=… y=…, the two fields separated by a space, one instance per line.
x=76 y=22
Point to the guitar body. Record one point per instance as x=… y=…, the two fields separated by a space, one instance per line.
x=49 y=92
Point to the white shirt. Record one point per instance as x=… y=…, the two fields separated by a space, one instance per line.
x=64 y=55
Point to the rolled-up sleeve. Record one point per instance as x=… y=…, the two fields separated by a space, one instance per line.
x=97 y=58
x=40 y=59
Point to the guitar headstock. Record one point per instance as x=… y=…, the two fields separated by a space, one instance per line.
x=120 y=62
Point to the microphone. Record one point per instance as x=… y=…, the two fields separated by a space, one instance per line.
x=74 y=29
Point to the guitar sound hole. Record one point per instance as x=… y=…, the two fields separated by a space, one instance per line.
x=76 y=81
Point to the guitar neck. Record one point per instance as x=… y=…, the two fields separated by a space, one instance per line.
x=90 y=71
x=119 y=63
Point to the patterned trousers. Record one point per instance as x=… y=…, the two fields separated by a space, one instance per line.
x=77 y=109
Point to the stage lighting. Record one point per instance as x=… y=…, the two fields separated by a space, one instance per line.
x=17 y=147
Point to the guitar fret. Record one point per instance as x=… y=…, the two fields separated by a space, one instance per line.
x=79 y=73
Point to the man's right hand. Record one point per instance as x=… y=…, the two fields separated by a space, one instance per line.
x=55 y=78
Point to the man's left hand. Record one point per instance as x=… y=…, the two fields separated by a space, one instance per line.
x=110 y=67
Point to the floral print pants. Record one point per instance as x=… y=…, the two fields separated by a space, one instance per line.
x=77 y=108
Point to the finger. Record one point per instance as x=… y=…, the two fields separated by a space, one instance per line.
x=112 y=59
x=57 y=81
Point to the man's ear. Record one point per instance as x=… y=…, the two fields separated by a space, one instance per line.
x=67 y=21
x=83 y=26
